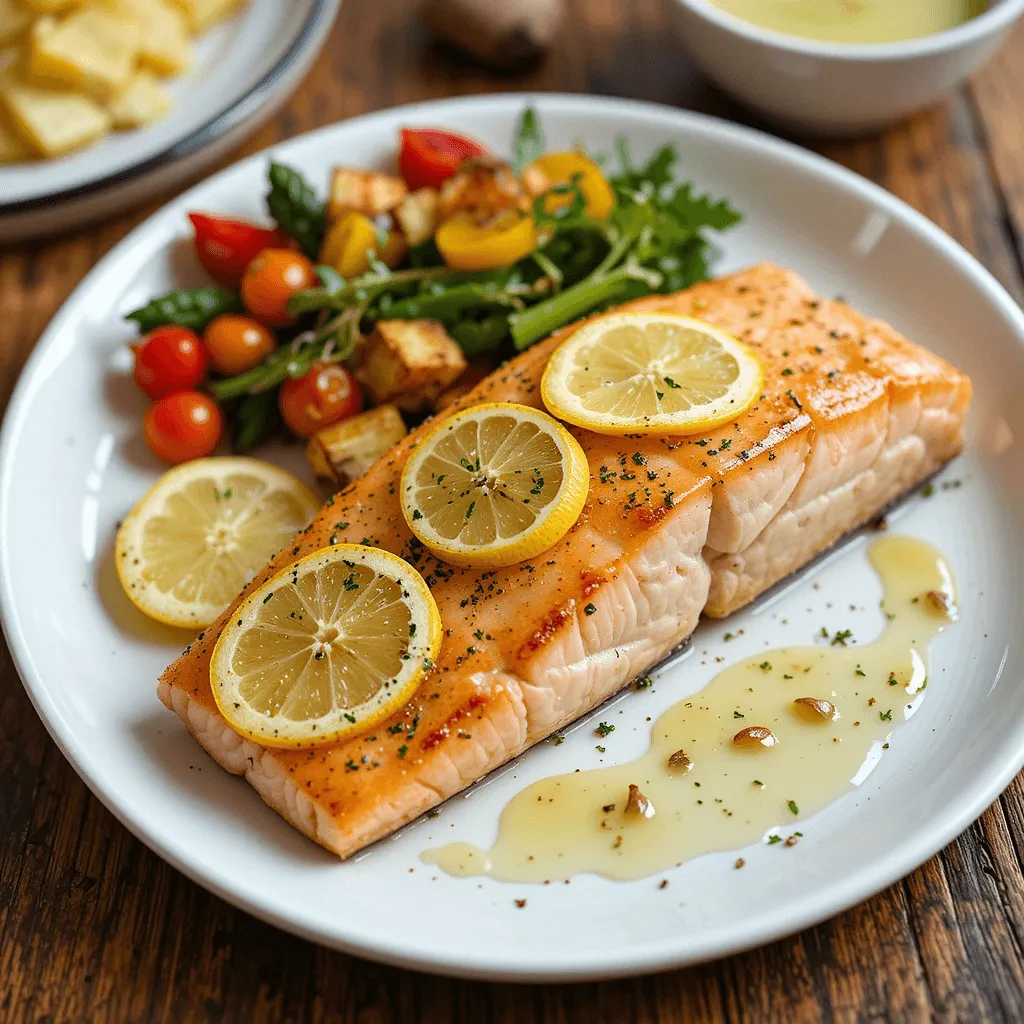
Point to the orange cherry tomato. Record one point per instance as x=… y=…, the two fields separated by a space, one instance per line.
x=170 y=359
x=237 y=343
x=326 y=394
x=226 y=247
x=271 y=280
x=187 y=425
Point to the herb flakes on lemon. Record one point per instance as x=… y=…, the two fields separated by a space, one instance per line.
x=650 y=373
x=494 y=485
x=326 y=648
x=202 y=532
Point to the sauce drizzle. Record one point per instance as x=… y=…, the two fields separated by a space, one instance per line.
x=766 y=743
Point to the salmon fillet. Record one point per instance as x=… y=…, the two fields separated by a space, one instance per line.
x=852 y=415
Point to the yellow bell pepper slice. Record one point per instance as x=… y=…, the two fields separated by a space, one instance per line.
x=466 y=245
x=352 y=238
x=562 y=169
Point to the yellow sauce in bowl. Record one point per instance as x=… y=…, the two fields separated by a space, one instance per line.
x=855 y=21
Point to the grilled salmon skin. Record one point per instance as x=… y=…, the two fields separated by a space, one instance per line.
x=852 y=415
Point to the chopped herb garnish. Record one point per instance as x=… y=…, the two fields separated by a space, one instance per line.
x=604 y=729
x=791 y=804
x=885 y=716
x=590 y=609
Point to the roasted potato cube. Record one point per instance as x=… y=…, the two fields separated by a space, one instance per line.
x=93 y=50
x=409 y=362
x=344 y=451
x=141 y=102
x=483 y=187
x=52 y=121
x=203 y=13
x=14 y=21
x=165 y=47
x=416 y=215
x=367 y=192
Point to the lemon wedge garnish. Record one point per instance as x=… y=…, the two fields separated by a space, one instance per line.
x=494 y=485
x=652 y=373
x=203 y=531
x=325 y=649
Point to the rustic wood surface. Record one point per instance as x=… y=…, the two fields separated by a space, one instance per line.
x=94 y=927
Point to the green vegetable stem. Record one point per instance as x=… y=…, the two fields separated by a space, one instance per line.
x=296 y=207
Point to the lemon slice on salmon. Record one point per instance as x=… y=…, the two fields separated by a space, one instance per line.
x=494 y=485
x=651 y=373
x=326 y=648
x=203 y=531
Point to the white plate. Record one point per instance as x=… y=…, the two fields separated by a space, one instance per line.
x=73 y=464
x=244 y=69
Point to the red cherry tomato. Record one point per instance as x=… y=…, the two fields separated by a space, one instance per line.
x=226 y=247
x=326 y=394
x=429 y=156
x=170 y=359
x=271 y=280
x=237 y=343
x=187 y=425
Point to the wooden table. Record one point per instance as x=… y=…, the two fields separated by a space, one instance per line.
x=94 y=927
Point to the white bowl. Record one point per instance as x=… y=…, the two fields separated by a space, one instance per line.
x=832 y=88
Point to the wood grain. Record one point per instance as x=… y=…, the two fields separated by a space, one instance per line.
x=93 y=927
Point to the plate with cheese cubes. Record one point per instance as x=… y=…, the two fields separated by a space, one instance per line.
x=106 y=102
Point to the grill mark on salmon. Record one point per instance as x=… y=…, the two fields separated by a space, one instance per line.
x=852 y=415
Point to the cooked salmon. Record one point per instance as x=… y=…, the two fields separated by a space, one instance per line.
x=852 y=415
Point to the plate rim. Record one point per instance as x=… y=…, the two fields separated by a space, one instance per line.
x=960 y=811
x=309 y=38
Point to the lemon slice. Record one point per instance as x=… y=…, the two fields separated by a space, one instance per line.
x=494 y=485
x=651 y=373
x=203 y=531
x=326 y=648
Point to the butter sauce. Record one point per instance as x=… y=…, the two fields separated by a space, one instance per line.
x=855 y=21
x=768 y=742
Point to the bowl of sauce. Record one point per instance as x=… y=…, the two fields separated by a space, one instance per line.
x=842 y=67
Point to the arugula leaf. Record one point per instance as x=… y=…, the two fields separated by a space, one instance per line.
x=529 y=141
x=186 y=307
x=296 y=207
x=655 y=174
x=699 y=211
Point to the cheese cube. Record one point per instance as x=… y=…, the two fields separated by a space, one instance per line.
x=164 y=44
x=13 y=148
x=344 y=451
x=93 y=50
x=14 y=21
x=54 y=122
x=141 y=102
x=204 y=13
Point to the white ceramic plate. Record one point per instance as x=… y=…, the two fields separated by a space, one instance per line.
x=72 y=464
x=244 y=69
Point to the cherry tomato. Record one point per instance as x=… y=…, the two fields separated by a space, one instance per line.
x=271 y=280
x=326 y=394
x=170 y=359
x=187 y=425
x=429 y=156
x=226 y=247
x=237 y=343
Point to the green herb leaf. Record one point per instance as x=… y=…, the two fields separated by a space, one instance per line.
x=296 y=207
x=529 y=142
x=254 y=420
x=187 y=307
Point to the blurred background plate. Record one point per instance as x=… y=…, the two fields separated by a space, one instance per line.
x=246 y=67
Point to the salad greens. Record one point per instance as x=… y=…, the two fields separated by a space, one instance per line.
x=186 y=307
x=653 y=241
